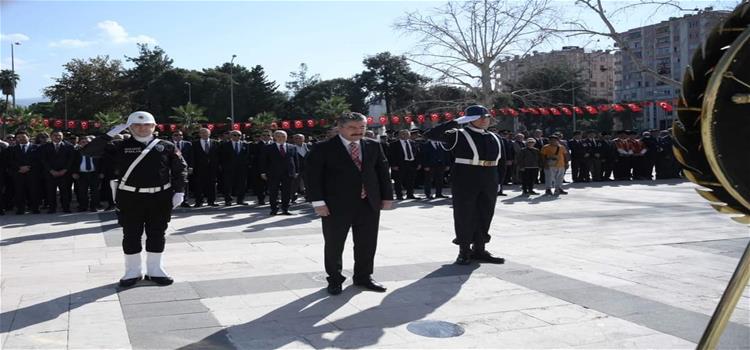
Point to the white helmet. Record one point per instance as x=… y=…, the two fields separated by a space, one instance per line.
x=141 y=117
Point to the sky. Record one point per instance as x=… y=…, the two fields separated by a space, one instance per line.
x=331 y=37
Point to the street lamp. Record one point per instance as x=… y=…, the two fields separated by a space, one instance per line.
x=190 y=92
x=13 y=70
x=231 y=87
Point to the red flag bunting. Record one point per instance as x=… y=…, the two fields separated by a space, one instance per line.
x=383 y=120
x=395 y=119
x=543 y=111
x=554 y=111
x=566 y=111
x=420 y=118
x=435 y=117
x=592 y=110
x=285 y=124
x=634 y=107
x=84 y=124
x=310 y=123
x=666 y=106
x=370 y=120
x=160 y=127
x=236 y=126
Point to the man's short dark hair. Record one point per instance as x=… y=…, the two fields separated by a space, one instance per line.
x=22 y=132
x=350 y=117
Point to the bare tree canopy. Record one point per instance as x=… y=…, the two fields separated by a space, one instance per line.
x=463 y=42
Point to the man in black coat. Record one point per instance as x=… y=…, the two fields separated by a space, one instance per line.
x=57 y=159
x=259 y=185
x=279 y=167
x=435 y=161
x=348 y=185
x=402 y=157
x=234 y=161
x=22 y=167
x=205 y=163
x=186 y=148
x=87 y=173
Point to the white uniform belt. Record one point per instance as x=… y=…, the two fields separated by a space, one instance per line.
x=144 y=189
x=476 y=162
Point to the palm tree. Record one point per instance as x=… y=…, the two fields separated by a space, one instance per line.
x=331 y=108
x=108 y=119
x=26 y=119
x=189 y=116
x=8 y=82
x=262 y=121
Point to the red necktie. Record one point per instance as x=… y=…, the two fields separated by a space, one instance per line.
x=282 y=151
x=354 y=151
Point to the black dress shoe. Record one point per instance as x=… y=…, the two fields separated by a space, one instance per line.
x=197 y=205
x=162 y=281
x=274 y=212
x=228 y=204
x=19 y=213
x=562 y=192
x=243 y=203
x=51 y=211
x=501 y=194
x=93 y=210
x=185 y=205
x=334 y=288
x=286 y=212
x=428 y=197
x=81 y=210
x=109 y=207
x=371 y=285
x=411 y=197
x=440 y=196
x=67 y=211
x=485 y=256
x=213 y=205
x=464 y=257
x=129 y=282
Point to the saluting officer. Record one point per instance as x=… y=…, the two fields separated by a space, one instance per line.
x=152 y=177
x=475 y=180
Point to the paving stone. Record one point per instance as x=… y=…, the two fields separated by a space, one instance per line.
x=164 y=308
x=149 y=293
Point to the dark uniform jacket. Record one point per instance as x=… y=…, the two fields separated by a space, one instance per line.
x=487 y=145
x=276 y=166
x=202 y=162
x=162 y=165
x=17 y=158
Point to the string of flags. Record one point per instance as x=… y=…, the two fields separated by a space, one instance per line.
x=567 y=111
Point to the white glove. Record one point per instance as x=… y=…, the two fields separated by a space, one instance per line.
x=117 y=130
x=467 y=119
x=177 y=199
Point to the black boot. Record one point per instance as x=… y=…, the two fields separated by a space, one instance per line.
x=464 y=256
x=480 y=254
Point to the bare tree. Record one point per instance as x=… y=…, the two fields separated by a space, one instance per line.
x=611 y=14
x=463 y=42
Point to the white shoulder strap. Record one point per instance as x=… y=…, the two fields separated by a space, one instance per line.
x=499 y=147
x=472 y=145
x=138 y=160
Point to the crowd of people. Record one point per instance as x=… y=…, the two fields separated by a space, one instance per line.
x=48 y=172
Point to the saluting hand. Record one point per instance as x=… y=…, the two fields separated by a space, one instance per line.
x=322 y=210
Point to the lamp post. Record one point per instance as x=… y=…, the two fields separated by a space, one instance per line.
x=231 y=87
x=13 y=69
x=190 y=92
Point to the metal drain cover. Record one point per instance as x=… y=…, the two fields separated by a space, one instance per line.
x=435 y=329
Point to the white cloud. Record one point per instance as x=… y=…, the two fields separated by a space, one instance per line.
x=14 y=37
x=116 y=33
x=71 y=43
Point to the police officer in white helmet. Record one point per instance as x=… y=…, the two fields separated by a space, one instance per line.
x=151 y=178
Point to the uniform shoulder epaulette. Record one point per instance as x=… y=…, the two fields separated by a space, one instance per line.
x=452 y=131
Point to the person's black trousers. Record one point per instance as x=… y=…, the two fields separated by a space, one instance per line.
x=87 y=188
x=139 y=212
x=65 y=184
x=474 y=198
x=403 y=179
x=276 y=184
x=528 y=176
x=205 y=186
x=434 y=179
x=363 y=221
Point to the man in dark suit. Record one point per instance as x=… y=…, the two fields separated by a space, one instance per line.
x=23 y=166
x=87 y=173
x=303 y=148
x=186 y=149
x=205 y=163
x=348 y=185
x=402 y=156
x=258 y=184
x=435 y=160
x=57 y=159
x=234 y=161
x=279 y=167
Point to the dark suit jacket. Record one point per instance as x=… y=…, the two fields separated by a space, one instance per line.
x=230 y=161
x=429 y=156
x=56 y=160
x=186 y=148
x=17 y=158
x=333 y=177
x=202 y=162
x=275 y=166
x=396 y=154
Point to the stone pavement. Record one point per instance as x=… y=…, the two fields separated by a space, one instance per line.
x=623 y=265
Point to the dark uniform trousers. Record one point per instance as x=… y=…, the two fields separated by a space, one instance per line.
x=363 y=222
x=144 y=211
x=474 y=197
